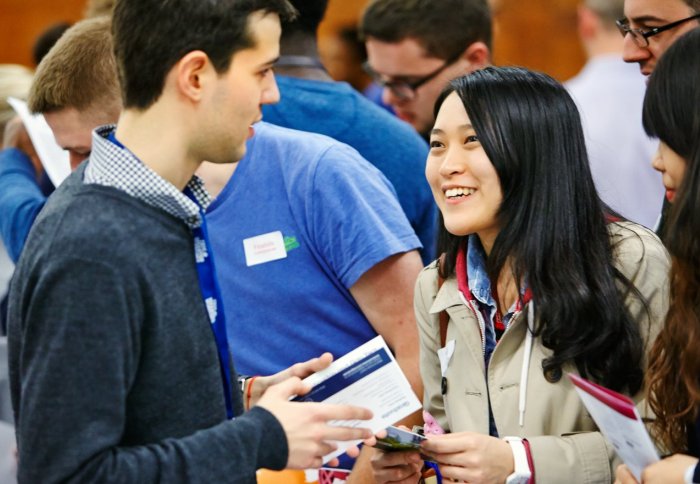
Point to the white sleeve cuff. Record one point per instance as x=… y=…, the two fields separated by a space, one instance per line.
x=688 y=476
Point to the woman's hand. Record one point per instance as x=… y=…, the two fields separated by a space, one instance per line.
x=666 y=471
x=470 y=457
x=396 y=467
x=300 y=370
x=624 y=476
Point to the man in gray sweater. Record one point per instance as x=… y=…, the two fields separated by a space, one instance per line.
x=115 y=322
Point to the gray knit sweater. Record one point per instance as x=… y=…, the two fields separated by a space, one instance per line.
x=113 y=366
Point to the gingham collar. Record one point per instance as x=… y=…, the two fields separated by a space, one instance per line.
x=113 y=166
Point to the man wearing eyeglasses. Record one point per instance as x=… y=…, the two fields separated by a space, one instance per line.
x=415 y=47
x=609 y=94
x=651 y=26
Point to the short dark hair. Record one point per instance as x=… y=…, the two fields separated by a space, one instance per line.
x=444 y=28
x=694 y=4
x=311 y=13
x=47 y=39
x=151 y=36
x=553 y=227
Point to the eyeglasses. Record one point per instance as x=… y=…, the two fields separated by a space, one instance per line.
x=641 y=36
x=403 y=88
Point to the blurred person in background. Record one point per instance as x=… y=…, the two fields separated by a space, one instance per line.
x=414 y=47
x=47 y=39
x=15 y=81
x=312 y=101
x=671 y=114
x=76 y=88
x=649 y=28
x=609 y=94
x=98 y=8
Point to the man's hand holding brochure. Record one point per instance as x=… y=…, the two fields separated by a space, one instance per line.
x=367 y=377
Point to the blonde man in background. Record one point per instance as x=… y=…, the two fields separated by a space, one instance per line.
x=76 y=89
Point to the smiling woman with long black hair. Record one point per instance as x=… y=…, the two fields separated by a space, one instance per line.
x=539 y=278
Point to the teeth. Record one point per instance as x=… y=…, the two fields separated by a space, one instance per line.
x=459 y=192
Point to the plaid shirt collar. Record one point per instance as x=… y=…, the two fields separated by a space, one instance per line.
x=116 y=167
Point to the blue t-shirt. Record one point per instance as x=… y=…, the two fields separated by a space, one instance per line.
x=338 y=216
x=337 y=110
x=21 y=199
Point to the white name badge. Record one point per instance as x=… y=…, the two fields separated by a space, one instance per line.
x=264 y=248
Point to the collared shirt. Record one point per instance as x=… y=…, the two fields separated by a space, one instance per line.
x=480 y=287
x=609 y=94
x=114 y=166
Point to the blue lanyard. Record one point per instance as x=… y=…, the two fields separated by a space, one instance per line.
x=211 y=294
x=436 y=468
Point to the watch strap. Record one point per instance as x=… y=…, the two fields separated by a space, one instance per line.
x=521 y=473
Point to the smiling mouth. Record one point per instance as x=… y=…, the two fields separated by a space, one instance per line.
x=455 y=193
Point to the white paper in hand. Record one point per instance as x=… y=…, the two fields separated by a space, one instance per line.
x=366 y=377
x=618 y=420
x=52 y=156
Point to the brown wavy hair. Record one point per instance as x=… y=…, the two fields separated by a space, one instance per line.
x=670 y=112
x=674 y=367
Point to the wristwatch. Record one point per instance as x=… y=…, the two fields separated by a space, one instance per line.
x=241 y=382
x=522 y=473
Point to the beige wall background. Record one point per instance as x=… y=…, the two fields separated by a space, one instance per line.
x=539 y=34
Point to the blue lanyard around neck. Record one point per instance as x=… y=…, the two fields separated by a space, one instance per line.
x=211 y=294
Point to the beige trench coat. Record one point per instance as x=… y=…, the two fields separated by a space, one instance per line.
x=566 y=446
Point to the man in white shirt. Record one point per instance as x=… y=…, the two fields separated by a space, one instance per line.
x=609 y=94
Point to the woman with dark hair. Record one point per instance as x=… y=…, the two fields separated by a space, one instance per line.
x=538 y=279
x=672 y=113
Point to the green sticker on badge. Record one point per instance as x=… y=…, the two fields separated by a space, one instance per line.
x=290 y=243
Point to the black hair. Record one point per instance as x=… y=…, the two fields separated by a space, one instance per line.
x=671 y=112
x=47 y=39
x=444 y=28
x=311 y=13
x=554 y=232
x=151 y=36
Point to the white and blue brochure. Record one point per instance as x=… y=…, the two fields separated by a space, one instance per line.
x=366 y=377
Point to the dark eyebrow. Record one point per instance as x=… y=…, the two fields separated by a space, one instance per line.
x=645 y=18
x=271 y=62
x=439 y=131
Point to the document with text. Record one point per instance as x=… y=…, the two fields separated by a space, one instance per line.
x=52 y=156
x=619 y=421
x=366 y=377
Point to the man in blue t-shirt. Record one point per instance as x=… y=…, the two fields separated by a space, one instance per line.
x=313 y=252
x=312 y=101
